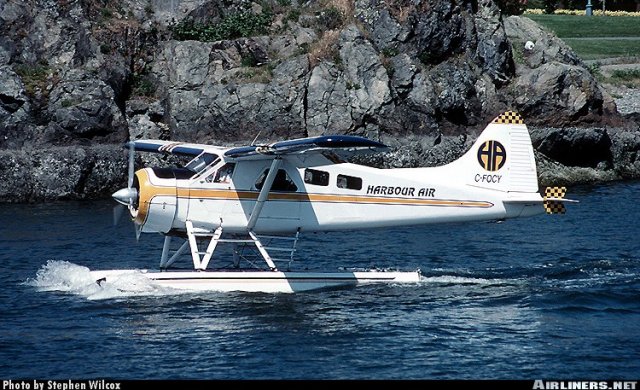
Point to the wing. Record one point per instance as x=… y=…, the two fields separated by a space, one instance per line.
x=168 y=147
x=344 y=145
x=323 y=149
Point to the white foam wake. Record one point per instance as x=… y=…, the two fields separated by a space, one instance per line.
x=451 y=279
x=64 y=276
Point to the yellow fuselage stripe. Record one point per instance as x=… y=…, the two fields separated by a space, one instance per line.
x=149 y=191
x=196 y=193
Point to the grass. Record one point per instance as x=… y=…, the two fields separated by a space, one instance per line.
x=584 y=34
x=595 y=49
x=574 y=26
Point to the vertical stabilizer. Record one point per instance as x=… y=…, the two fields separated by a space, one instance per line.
x=501 y=158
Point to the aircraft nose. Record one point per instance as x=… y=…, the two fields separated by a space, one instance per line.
x=125 y=196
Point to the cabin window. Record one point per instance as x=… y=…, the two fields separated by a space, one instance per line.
x=282 y=182
x=224 y=174
x=349 y=182
x=203 y=160
x=315 y=177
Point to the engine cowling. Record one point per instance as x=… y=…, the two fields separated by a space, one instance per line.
x=152 y=199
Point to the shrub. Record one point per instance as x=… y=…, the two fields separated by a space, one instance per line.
x=549 y=6
x=628 y=77
x=512 y=7
x=293 y=15
x=238 y=25
x=34 y=77
x=425 y=57
x=390 y=52
x=143 y=86
x=331 y=18
x=248 y=60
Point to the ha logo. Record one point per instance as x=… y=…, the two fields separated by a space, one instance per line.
x=492 y=155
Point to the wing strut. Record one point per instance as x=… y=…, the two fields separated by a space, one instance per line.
x=264 y=193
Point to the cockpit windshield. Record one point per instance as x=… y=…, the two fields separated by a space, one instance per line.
x=203 y=160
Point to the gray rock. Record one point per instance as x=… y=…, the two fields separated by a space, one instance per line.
x=7 y=50
x=216 y=98
x=84 y=108
x=423 y=151
x=558 y=94
x=574 y=146
x=386 y=31
x=492 y=49
x=12 y=93
x=625 y=151
x=186 y=65
x=328 y=109
x=553 y=173
x=404 y=70
x=366 y=79
x=35 y=175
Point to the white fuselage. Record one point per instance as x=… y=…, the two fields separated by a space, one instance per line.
x=366 y=198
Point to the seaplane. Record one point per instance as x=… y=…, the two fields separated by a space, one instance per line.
x=258 y=199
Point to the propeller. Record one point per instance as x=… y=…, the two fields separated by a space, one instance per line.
x=118 y=210
x=127 y=196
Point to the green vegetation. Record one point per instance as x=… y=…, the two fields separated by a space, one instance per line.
x=106 y=13
x=594 y=37
x=66 y=103
x=626 y=74
x=34 y=77
x=425 y=57
x=628 y=77
x=248 y=60
x=594 y=49
x=331 y=18
x=105 y=48
x=293 y=15
x=302 y=49
x=573 y=26
x=517 y=48
x=143 y=86
x=261 y=75
x=242 y=24
x=595 y=70
x=511 y=7
x=390 y=52
x=351 y=86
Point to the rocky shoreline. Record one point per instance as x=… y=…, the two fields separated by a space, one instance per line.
x=78 y=79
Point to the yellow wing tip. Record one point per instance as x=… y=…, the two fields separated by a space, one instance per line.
x=555 y=192
x=554 y=206
x=509 y=118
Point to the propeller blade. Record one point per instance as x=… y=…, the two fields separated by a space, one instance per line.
x=138 y=231
x=117 y=214
x=131 y=163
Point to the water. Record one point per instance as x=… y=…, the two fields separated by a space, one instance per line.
x=543 y=297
